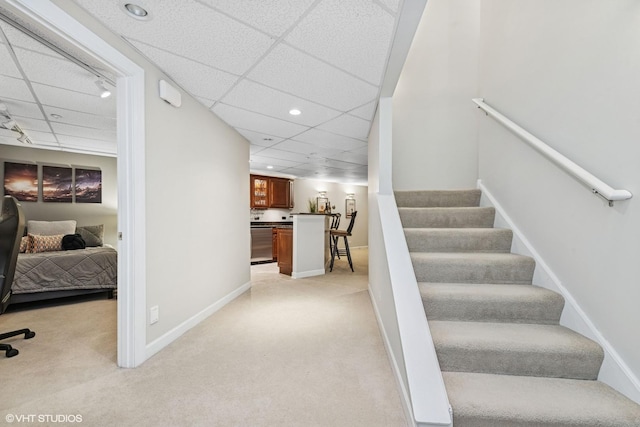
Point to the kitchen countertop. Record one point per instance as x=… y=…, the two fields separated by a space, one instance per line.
x=271 y=224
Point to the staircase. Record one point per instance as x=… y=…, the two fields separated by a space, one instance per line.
x=506 y=361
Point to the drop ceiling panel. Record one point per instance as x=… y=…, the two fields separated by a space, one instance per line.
x=272 y=161
x=57 y=72
x=196 y=31
x=352 y=35
x=41 y=136
x=80 y=119
x=255 y=149
x=347 y=125
x=206 y=102
x=19 y=39
x=271 y=16
x=237 y=117
x=17 y=89
x=391 y=4
x=286 y=155
x=84 y=143
x=351 y=157
x=196 y=78
x=29 y=125
x=75 y=101
x=307 y=149
x=366 y=111
x=259 y=138
x=338 y=164
x=84 y=132
x=23 y=109
x=330 y=140
x=7 y=66
x=271 y=102
x=312 y=79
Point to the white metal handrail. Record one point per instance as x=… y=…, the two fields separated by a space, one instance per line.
x=597 y=186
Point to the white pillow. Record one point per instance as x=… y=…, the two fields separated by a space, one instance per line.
x=51 y=228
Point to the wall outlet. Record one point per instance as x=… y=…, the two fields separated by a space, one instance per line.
x=154 y=315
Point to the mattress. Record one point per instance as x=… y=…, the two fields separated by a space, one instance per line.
x=90 y=268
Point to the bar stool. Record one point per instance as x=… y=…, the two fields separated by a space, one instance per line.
x=335 y=236
x=335 y=222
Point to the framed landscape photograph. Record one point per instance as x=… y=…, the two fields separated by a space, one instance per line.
x=88 y=185
x=56 y=184
x=21 y=181
x=349 y=207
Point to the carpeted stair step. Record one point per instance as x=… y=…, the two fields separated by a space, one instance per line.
x=475 y=302
x=458 y=239
x=447 y=217
x=482 y=400
x=515 y=349
x=461 y=267
x=446 y=198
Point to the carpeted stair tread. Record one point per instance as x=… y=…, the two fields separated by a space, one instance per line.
x=445 y=198
x=458 y=239
x=477 y=302
x=515 y=349
x=466 y=217
x=482 y=400
x=450 y=267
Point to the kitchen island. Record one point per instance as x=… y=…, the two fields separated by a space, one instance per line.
x=305 y=250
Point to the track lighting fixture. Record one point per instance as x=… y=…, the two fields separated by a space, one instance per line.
x=104 y=92
x=9 y=124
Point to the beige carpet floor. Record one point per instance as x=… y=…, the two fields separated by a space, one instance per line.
x=286 y=353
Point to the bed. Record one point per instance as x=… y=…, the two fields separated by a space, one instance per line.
x=56 y=273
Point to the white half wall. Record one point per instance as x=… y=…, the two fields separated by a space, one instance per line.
x=567 y=71
x=434 y=123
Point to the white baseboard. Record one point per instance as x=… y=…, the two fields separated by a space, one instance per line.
x=166 y=339
x=614 y=371
x=308 y=273
x=404 y=394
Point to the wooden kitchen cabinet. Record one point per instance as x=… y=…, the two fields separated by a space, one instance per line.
x=259 y=192
x=285 y=250
x=274 y=249
x=271 y=192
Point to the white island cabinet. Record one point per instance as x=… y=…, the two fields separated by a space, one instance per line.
x=310 y=245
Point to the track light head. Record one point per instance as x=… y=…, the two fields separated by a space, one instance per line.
x=104 y=92
x=9 y=124
x=24 y=139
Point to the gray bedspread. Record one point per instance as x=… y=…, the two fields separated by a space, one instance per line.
x=90 y=268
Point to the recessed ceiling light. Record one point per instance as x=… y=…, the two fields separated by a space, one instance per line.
x=55 y=116
x=269 y=167
x=295 y=112
x=267 y=139
x=135 y=11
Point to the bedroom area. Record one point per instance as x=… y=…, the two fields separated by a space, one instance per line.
x=58 y=162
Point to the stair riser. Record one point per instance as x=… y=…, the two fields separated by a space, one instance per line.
x=518 y=271
x=447 y=217
x=459 y=240
x=545 y=312
x=577 y=366
x=438 y=198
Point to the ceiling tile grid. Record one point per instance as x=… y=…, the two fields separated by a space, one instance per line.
x=237 y=117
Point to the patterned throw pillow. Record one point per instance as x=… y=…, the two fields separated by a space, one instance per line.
x=39 y=243
x=92 y=234
x=24 y=242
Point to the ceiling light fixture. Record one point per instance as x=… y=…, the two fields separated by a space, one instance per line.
x=295 y=112
x=55 y=116
x=136 y=11
x=269 y=167
x=9 y=124
x=12 y=125
x=104 y=92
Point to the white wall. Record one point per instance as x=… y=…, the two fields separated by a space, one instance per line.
x=305 y=189
x=567 y=71
x=434 y=121
x=84 y=213
x=197 y=181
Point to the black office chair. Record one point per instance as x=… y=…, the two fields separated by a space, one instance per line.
x=11 y=231
x=335 y=236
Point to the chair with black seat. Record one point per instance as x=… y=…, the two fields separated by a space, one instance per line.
x=335 y=236
x=11 y=231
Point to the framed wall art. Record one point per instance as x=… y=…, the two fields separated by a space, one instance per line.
x=88 y=185
x=21 y=181
x=56 y=184
x=349 y=207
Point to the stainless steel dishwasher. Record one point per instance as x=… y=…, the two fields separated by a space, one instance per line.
x=261 y=244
